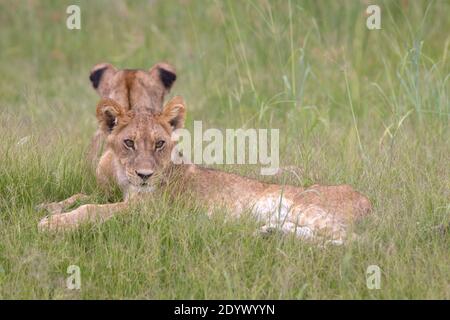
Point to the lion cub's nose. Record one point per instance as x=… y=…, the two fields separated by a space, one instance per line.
x=144 y=174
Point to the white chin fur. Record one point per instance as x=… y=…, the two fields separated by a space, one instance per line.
x=131 y=190
x=126 y=185
x=140 y=189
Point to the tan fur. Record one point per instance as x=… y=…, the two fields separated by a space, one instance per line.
x=317 y=212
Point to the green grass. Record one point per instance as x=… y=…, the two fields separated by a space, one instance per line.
x=368 y=108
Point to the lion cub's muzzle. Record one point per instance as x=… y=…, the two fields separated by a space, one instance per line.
x=140 y=177
x=144 y=175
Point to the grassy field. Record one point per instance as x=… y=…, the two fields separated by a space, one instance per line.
x=368 y=108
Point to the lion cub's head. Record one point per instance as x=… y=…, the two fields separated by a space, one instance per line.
x=134 y=89
x=139 y=142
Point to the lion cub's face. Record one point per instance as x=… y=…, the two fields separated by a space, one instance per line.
x=140 y=142
x=142 y=148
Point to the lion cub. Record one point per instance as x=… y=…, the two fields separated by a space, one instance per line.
x=138 y=159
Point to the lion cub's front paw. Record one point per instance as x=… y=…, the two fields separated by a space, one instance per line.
x=56 y=222
x=61 y=206
x=50 y=207
x=44 y=224
x=65 y=221
x=50 y=223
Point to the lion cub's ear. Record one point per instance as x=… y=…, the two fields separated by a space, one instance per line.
x=100 y=77
x=165 y=74
x=110 y=114
x=174 y=112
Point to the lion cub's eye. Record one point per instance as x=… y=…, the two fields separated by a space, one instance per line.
x=129 y=143
x=159 y=144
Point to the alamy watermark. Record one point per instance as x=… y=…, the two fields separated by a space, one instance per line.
x=73 y=281
x=73 y=21
x=373 y=277
x=234 y=146
x=373 y=21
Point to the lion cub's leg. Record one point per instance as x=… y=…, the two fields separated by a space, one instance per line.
x=307 y=222
x=287 y=227
x=85 y=213
x=276 y=211
x=58 y=207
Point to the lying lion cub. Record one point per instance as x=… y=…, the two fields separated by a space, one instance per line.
x=138 y=159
